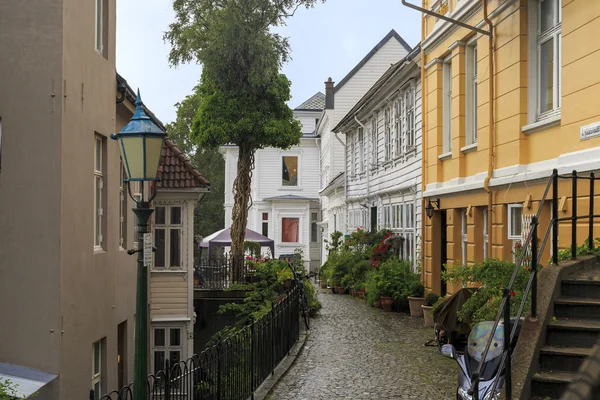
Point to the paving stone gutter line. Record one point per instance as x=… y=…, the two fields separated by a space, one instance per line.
x=283 y=367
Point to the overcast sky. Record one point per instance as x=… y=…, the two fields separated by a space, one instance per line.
x=328 y=40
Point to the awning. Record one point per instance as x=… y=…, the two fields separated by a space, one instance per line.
x=26 y=381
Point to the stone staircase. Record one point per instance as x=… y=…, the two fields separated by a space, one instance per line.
x=570 y=334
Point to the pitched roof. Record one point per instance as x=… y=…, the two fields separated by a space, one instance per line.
x=290 y=197
x=380 y=83
x=176 y=171
x=391 y=34
x=315 y=103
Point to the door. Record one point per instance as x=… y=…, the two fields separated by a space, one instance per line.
x=444 y=251
x=122 y=354
x=373 y=219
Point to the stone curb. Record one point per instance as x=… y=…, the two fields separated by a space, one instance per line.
x=283 y=367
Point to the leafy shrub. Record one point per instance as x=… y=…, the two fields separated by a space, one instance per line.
x=431 y=298
x=394 y=278
x=417 y=289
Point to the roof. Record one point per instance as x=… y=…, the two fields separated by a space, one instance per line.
x=379 y=84
x=315 y=103
x=335 y=182
x=176 y=171
x=391 y=34
x=26 y=380
x=290 y=197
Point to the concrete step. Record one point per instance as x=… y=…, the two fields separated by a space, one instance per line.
x=575 y=286
x=567 y=359
x=565 y=332
x=577 y=307
x=550 y=384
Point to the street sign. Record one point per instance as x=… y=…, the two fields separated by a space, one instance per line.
x=147 y=249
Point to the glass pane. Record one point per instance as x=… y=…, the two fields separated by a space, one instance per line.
x=313 y=232
x=152 y=154
x=160 y=216
x=265 y=229
x=516 y=221
x=96 y=358
x=98 y=154
x=265 y=216
x=546 y=78
x=547 y=9
x=133 y=148
x=175 y=215
x=175 y=248
x=289 y=231
x=159 y=337
x=289 y=173
x=159 y=242
x=159 y=361
x=175 y=337
x=174 y=357
x=97 y=392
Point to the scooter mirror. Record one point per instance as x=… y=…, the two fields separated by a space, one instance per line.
x=449 y=351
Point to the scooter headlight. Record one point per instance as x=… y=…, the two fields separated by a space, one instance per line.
x=493 y=396
x=464 y=393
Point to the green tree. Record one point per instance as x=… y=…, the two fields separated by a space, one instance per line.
x=242 y=93
x=208 y=161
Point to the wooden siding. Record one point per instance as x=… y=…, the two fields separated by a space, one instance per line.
x=168 y=294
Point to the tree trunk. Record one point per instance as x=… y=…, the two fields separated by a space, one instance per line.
x=241 y=204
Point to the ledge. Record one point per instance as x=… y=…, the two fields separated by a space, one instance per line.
x=541 y=125
x=469 y=148
x=445 y=156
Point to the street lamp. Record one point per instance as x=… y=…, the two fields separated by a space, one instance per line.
x=141 y=142
x=429 y=208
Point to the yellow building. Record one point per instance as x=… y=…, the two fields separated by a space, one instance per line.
x=489 y=166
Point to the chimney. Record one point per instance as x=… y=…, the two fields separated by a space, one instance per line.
x=329 y=94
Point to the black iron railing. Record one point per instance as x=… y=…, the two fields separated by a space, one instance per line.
x=532 y=244
x=219 y=272
x=234 y=367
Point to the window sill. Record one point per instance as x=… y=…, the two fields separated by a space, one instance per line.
x=161 y=270
x=290 y=244
x=99 y=250
x=445 y=156
x=541 y=125
x=469 y=148
x=290 y=188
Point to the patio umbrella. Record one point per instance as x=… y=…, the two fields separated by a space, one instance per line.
x=222 y=238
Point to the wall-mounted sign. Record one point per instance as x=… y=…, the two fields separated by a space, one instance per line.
x=589 y=131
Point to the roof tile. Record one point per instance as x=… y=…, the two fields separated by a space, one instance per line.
x=176 y=171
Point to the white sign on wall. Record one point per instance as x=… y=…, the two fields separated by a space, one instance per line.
x=589 y=131
x=147 y=249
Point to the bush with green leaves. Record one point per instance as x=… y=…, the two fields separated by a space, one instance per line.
x=583 y=250
x=493 y=275
x=393 y=278
x=8 y=390
x=431 y=299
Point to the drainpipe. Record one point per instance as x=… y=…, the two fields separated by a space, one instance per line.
x=365 y=167
x=423 y=152
x=486 y=182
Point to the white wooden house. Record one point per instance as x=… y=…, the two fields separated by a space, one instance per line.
x=285 y=189
x=383 y=155
x=340 y=98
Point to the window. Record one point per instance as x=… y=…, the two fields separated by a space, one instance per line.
x=265 y=224
x=314 y=228
x=361 y=145
x=102 y=27
x=447 y=107
x=410 y=118
x=99 y=172
x=398 y=127
x=471 y=93
x=464 y=236
x=168 y=228
x=167 y=343
x=352 y=158
x=546 y=57
x=122 y=208
x=374 y=127
x=316 y=122
x=290 y=230
x=98 y=365
x=485 y=233
x=387 y=134
x=289 y=171
x=515 y=221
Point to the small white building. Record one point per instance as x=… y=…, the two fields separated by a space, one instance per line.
x=285 y=189
x=383 y=155
x=339 y=100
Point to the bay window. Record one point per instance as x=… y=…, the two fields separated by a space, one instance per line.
x=168 y=228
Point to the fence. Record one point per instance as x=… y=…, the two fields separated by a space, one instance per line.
x=233 y=368
x=216 y=272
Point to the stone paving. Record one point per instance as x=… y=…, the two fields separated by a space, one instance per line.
x=355 y=351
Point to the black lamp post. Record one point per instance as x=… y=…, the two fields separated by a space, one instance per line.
x=431 y=206
x=141 y=142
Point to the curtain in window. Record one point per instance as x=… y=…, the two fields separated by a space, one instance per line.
x=289 y=230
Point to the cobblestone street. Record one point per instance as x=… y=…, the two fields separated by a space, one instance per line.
x=355 y=351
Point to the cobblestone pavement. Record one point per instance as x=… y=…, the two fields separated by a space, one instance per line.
x=355 y=351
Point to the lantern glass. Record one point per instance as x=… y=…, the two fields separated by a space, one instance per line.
x=153 y=148
x=132 y=151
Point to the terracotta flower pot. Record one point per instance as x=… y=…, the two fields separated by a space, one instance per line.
x=340 y=290
x=415 y=306
x=386 y=303
x=323 y=284
x=377 y=304
x=428 y=315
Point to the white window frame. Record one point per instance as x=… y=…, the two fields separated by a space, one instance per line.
x=410 y=123
x=97 y=376
x=99 y=25
x=511 y=207
x=167 y=348
x=447 y=106
x=361 y=145
x=536 y=40
x=122 y=207
x=299 y=177
x=398 y=126
x=464 y=236
x=314 y=218
x=387 y=128
x=471 y=92
x=299 y=218
x=374 y=150
x=485 y=234
x=99 y=192
x=264 y=221
x=168 y=226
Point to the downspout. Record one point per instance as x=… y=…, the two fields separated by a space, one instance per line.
x=423 y=152
x=492 y=128
x=365 y=169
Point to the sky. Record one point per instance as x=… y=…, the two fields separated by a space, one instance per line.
x=326 y=41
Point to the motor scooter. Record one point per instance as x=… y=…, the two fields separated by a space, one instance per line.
x=470 y=359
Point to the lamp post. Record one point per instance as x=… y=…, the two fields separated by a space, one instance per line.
x=141 y=142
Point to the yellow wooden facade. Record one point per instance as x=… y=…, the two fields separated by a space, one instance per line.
x=523 y=137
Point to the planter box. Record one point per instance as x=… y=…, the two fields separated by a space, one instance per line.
x=415 y=306
x=428 y=315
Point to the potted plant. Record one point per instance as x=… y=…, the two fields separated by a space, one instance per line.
x=430 y=299
x=386 y=303
x=416 y=299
